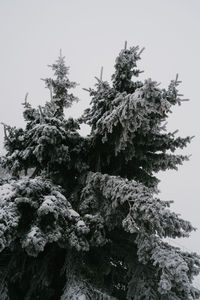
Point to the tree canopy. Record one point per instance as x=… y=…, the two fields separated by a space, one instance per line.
x=80 y=217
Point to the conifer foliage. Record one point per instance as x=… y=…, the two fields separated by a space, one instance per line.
x=80 y=217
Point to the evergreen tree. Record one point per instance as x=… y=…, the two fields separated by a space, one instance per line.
x=86 y=222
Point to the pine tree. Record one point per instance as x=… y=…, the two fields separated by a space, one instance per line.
x=80 y=217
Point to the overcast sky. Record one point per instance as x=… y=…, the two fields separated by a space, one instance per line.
x=91 y=33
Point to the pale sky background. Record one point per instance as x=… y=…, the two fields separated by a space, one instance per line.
x=91 y=33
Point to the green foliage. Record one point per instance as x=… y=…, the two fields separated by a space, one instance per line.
x=80 y=218
x=140 y=212
x=60 y=85
x=49 y=142
x=35 y=213
x=128 y=129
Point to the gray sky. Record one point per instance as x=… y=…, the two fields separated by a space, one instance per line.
x=91 y=33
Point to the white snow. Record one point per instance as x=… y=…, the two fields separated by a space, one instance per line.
x=73 y=213
x=80 y=223
x=6 y=191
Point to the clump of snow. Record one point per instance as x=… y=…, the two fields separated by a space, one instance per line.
x=48 y=205
x=6 y=191
x=80 y=223
x=73 y=214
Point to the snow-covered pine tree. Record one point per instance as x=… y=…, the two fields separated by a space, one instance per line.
x=86 y=222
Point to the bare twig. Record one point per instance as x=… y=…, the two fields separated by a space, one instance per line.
x=101 y=73
x=5 y=128
x=41 y=114
x=141 y=51
x=125 y=45
x=87 y=90
x=51 y=92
